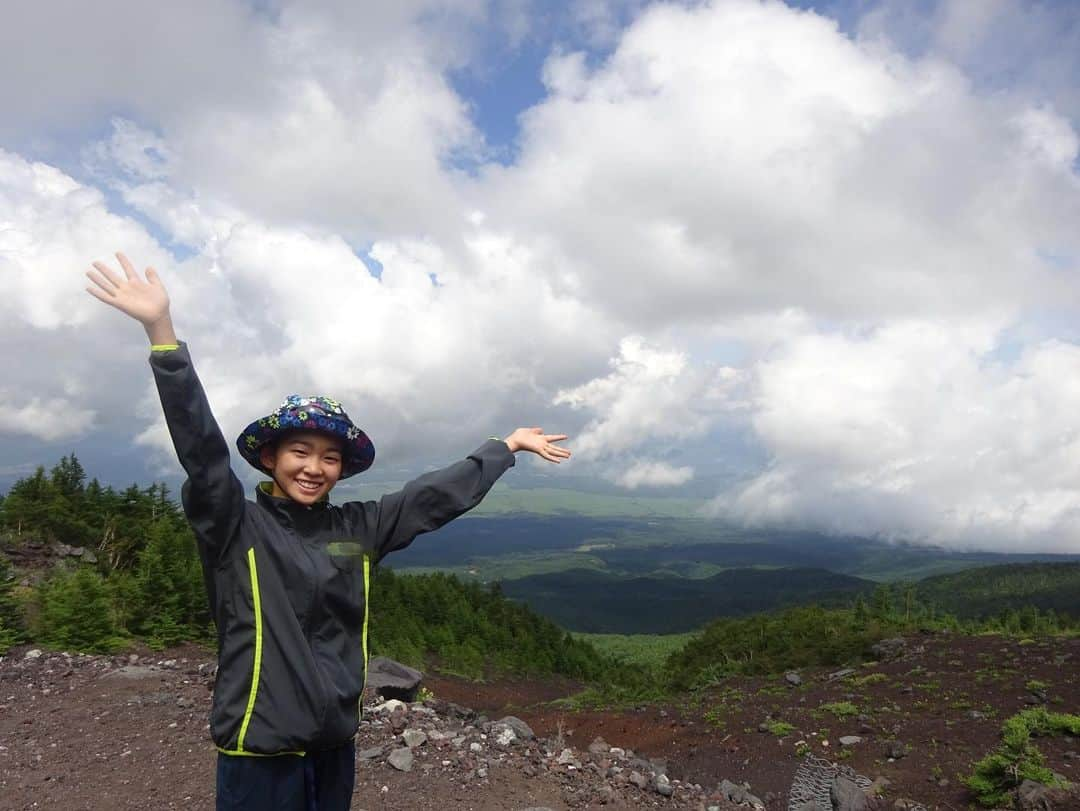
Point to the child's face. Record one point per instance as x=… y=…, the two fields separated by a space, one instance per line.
x=305 y=466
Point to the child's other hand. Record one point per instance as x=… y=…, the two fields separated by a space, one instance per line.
x=536 y=441
x=145 y=301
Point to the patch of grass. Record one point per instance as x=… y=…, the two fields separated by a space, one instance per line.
x=716 y=716
x=839 y=709
x=774 y=690
x=1017 y=759
x=870 y=678
x=780 y=728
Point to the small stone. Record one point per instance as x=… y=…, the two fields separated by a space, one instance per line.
x=475 y=747
x=401 y=759
x=599 y=746
x=414 y=737
x=616 y=752
x=663 y=786
x=732 y=791
x=793 y=678
x=638 y=779
x=895 y=750
x=566 y=758
x=32 y=654
x=850 y=740
x=371 y=754
x=388 y=707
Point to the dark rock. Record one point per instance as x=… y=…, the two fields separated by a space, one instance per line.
x=895 y=750
x=731 y=791
x=450 y=710
x=846 y=795
x=888 y=649
x=1033 y=796
x=392 y=679
x=520 y=728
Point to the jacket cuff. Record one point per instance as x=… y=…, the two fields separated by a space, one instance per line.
x=494 y=450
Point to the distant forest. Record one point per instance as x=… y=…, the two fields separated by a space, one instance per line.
x=86 y=567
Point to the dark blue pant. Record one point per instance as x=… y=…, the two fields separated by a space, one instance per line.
x=318 y=781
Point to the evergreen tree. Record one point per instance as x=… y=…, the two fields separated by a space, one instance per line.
x=68 y=477
x=74 y=612
x=11 y=622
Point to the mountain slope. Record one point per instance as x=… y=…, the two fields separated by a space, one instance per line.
x=597 y=602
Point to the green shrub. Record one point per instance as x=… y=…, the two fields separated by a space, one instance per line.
x=1017 y=759
x=75 y=614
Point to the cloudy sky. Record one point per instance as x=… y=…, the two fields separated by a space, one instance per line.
x=817 y=264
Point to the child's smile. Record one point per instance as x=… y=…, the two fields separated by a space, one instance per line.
x=305 y=466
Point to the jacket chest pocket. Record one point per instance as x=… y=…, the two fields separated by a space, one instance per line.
x=347 y=589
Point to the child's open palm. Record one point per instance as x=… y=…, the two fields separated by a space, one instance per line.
x=145 y=301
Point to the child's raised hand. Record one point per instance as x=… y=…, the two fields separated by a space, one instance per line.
x=536 y=441
x=145 y=301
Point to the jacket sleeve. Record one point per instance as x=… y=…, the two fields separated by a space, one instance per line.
x=434 y=499
x=213 y=497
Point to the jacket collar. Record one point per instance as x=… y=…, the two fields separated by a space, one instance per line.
x=286 y=508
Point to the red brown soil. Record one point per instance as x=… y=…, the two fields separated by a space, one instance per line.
x=81 y=738
x=715 y=735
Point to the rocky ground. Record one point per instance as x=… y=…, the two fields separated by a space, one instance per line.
x=91 y=732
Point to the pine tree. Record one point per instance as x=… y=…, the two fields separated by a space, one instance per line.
x=74 y=612
x=11 y=622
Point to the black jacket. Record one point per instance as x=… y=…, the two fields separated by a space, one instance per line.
x=288 y=584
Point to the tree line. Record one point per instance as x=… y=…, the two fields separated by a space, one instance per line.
x=146 y=583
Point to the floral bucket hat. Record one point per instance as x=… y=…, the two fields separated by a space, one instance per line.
x=321 y=414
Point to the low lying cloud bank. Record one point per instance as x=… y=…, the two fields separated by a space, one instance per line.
x=918 y=431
